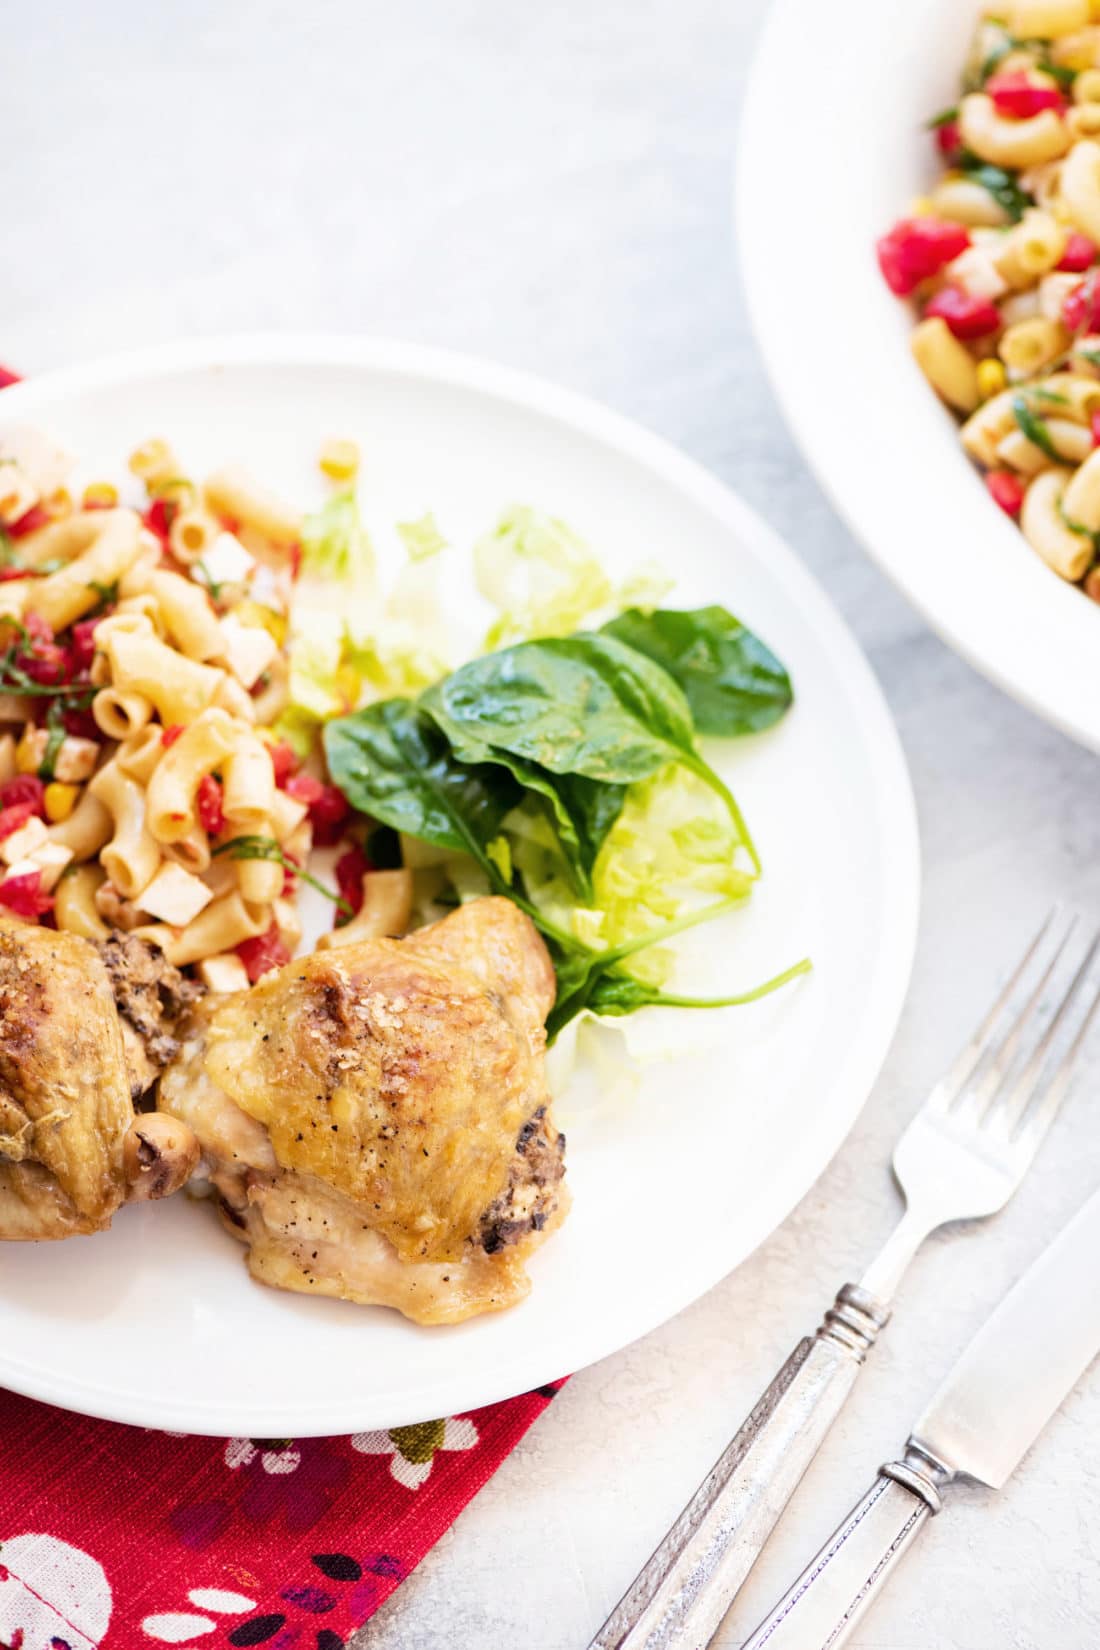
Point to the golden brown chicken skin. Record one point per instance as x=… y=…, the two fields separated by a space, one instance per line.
x=70 y=1148
x=375 y=1117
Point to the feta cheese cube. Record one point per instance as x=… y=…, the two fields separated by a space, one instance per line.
x=22 y=843
x=268 y=587
x=51 y=859
x=226 y=562
x=248 y=650
x=175 y=896
x=224 y=972
x=76 y=759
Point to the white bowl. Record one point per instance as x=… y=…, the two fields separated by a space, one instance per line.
x=832 y=150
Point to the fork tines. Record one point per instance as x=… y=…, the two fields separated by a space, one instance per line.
x=1029 y=1042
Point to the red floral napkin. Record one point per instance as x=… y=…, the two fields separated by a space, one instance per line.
x=119 y=1537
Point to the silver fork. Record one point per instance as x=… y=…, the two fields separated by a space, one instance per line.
x=961 y=1158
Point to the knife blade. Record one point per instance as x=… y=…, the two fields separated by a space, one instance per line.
x=1003 y=1390
x=1021 y=1364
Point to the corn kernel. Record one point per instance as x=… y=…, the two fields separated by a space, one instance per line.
x=153 y=461
x=922 y=206
x=177 y=490
x=99 y=495
x=1094 y=11
x=27 y=752
x=59 y=800
x=259 y=617
x=991 y=379
x=60 y=503
x=340 y=460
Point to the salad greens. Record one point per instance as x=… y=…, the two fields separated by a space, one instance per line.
x=587 y=705
x=566 y=770
x=732 y=682
x=559 y=767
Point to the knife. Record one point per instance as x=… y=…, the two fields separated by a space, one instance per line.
x=1008 y=1383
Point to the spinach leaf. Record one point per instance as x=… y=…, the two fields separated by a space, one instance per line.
x=732 y=682
x=944 y=118
x=581 y=811
x=586 y=704
x=392 y=761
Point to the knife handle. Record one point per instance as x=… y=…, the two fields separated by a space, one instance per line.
x=837 y=1587
x=677 y=1601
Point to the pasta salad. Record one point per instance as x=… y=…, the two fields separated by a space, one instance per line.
x=143 y=663
x=1001 y=260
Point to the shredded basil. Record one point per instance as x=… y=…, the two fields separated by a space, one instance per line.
x=265 y=847
x=1002 y=185
x=1033 y=427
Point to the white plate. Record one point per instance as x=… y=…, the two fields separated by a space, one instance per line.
x=832 y=150
x=157 y=1321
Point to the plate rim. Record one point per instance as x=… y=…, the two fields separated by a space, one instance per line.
x=878 y=734
x=763 y=281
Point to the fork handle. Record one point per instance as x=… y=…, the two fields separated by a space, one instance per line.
x=677 y=1601
x=837 y=1587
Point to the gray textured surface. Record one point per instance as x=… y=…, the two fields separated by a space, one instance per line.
x=550 y=186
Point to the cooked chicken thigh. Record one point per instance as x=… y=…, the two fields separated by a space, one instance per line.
x=374 y=1118
x=71 y=1149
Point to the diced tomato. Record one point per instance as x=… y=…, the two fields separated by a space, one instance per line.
x=34 y=518
x=45 y=661
x=82 y=643
x=1007 y=490
x=295 y=560
x=25 y=787
x=304 y=788
x=81 y=724
x=283 y=760
x=327 y=807
x=967 y=317
x=263 y=953
x=23 y=895
x=1080 y=254
x=1094 y=424
x=208 y=804
x=9 y=573
x=171 y=733
x=948 y=141
x=1081 y=305
x=13 y=818
x=916 y=248
x=350 y=869
x=290 y=881
x=7 y=377
x=158 y=519
x=1017 y=96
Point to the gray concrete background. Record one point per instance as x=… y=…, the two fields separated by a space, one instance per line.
x=551 y=186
